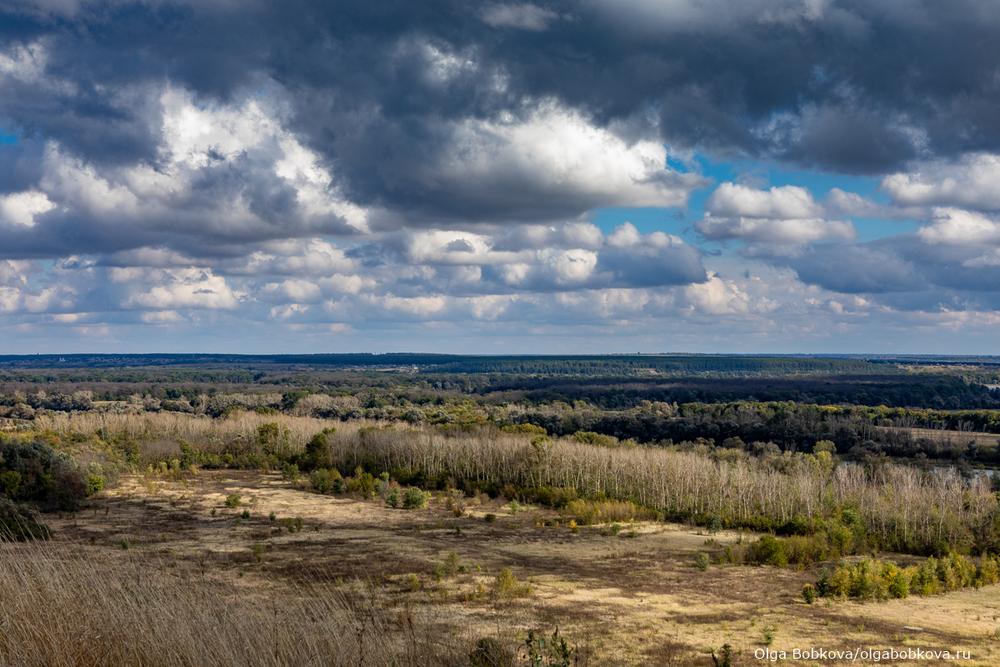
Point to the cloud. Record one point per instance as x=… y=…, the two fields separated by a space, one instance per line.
x=843 y=135
x=856 y=269
x=21 y=208
x=298 y=291
x=565 y=235
x=23 y=62
x=787 y=202
x=520 y=16
x=791 y=232
x=171 y=163
x=557 y=162
x=177 y=289
x=786 y=215
x=10 y=299
x=159 y=257
x=949 y=262
x=712 y=16
x=851 y=204
x=305 y=257
x=815 y=81
x=26 y=299
x=717 y=297
x=955 y=226
x=636 y=260
x=225 y=173
x=970 y=182
x=422 y=306
x=162 y=317
x=14 y=272
x=558 y=258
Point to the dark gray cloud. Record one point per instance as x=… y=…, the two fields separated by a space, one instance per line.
x=847 y=139
x=901 y=271
x=20 y=165
x=851 y=85
x=856 y=269
x=324 y=163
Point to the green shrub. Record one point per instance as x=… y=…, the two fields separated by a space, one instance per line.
x=841 y=538
x=233 y=500
x=95 y=483
x=318 y=453
x=797 y=525
x=491 y=652
x=592 y=438
x=19 y=522
x=532 y=429
x=35 y=473
x=293 y=524
x=802 y=550
x=507 y=585
x=988 y=572
x=824 y=446
x=897 y=581
x=875 y=579
x=449 y=567
x=866 y=581
x=701 y=561
x=836 y=584
x=924 y=580
x=326 y=480
x=724 y=658
x=273 y=440
x=553 y=651
x=589 y=512
x=361 y=482
x=392 y=497
x=414 y=498
x=131 y=452
x=189 y=455
x=809 y=593
x=552 y=496
x=768 y=550
x=10 y=483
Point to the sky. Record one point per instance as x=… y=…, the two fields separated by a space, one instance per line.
x=598 y=176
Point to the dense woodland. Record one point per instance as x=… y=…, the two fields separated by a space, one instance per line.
x=911 y=409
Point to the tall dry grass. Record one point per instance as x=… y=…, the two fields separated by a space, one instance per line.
x=197 y=429
x=59 y=608
x=904 y=507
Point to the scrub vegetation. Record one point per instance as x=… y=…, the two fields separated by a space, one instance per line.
x=205 y=491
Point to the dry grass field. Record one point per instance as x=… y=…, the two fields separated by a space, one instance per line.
x=627 y=595
x=949 y=437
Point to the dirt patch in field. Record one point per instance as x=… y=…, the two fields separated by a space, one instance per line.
x=634 y=597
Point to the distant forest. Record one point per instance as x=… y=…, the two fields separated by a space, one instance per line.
x=905 y=407
x=683 y=364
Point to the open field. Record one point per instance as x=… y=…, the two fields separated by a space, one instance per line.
x=951 y=437
x=295 y=516
x=634 y=597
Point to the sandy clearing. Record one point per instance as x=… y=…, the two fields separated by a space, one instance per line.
x=631 y=598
